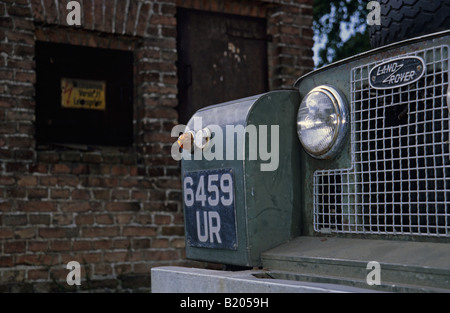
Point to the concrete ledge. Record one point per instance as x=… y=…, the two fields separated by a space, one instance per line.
x=191 y=280
x=319 y=264
x=406 y=266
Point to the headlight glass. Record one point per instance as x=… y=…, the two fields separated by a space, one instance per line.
x=322 y=121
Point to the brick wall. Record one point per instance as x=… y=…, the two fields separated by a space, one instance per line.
x=117 y=211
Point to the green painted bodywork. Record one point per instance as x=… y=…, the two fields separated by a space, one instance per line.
x=266 y=202
x=338 y=75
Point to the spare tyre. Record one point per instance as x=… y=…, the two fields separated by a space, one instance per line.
x=403 y=19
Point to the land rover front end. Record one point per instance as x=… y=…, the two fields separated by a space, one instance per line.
x=368 y=181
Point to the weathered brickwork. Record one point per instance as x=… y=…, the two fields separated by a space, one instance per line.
x=117 y=211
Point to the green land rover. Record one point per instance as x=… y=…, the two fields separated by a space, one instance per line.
x=360 y=196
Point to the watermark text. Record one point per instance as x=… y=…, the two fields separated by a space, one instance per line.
x=233 y=142
x=374 y=16
x=374 y=276
x=74 y=276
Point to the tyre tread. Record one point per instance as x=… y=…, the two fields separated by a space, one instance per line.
x=403 y=19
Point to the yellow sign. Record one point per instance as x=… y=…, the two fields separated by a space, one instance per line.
x=83 y=94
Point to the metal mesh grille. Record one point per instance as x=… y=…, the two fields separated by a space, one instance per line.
x=399 y=181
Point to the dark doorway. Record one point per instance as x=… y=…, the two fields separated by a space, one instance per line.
x=83 y=95
x=221 y=57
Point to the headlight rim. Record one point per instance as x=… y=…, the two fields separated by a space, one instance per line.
x=341 y=129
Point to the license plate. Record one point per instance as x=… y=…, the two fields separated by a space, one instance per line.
x=209 y=202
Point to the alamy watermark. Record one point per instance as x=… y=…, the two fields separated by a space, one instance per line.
x=74 y=276
x=374 y=16
x=233 y=142
x=374 y=276
x=74 y=16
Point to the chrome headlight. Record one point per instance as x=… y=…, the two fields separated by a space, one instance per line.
x=322 y=122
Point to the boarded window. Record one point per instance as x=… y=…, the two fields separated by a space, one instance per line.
x=83 y=95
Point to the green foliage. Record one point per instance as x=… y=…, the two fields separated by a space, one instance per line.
x=329 y=18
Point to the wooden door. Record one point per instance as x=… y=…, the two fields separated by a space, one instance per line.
x=220 y=58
